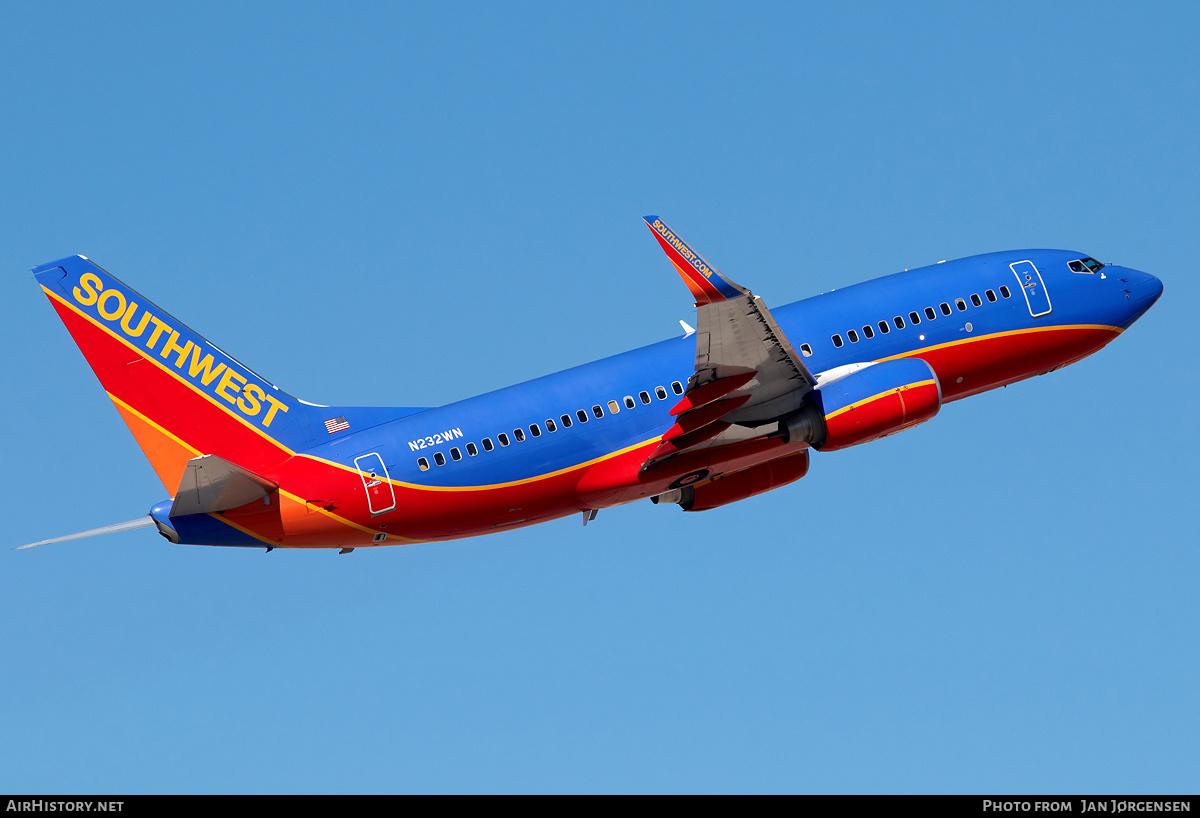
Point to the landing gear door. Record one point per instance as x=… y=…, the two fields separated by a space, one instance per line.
x=1036 y=297
x=378 y=486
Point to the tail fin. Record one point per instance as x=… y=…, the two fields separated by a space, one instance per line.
x=180 y=395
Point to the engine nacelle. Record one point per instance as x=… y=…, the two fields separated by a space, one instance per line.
x=874 y=402
x=739 y=485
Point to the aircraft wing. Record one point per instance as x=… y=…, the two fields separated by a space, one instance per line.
x=747 y=372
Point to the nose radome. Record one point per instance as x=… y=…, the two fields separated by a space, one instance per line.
x=1146 y=288
x=1151 y=289
x=1142 y=291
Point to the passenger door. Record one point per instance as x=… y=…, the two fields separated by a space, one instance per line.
x=1036 y=297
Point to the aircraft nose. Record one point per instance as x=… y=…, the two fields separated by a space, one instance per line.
x=1142 y=290
x=1151 y=290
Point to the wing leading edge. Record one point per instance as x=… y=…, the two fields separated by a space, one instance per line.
x=746 y=373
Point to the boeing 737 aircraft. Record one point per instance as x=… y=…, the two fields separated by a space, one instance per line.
x=727 y=411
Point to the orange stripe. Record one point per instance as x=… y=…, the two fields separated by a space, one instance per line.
x=878 y=395
x=168 y=455
x=995 y=335
x=692 y=277
x=124 y=408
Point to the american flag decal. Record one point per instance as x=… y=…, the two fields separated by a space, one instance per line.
x=336 y=424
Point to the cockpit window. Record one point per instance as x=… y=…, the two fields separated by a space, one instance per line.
x=1085 y=265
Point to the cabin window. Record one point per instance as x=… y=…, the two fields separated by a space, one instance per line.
x=991 y=296
x=945 y=308
x=582 y=415
x=1004 y=291
x=962 y=305
x=837 y=341
x=914 y=318
x=597 y=411
x=613 y=407
x=677 y=387
x=439 y=458
x=867 y=331
x=519 y=434
x=566 y=421
x=535 y=430
x=422 y=464
x=644 y=396
x=503 y=438
x=930 y=314
x=805 y=350
x=853 y=336
x=899 y=322
x=629 y=402
x=884 y=327
x=551 y=426
x=976 y=300
x=487 y=444
x=455 y=454
x=472 y=449
x=660 y=392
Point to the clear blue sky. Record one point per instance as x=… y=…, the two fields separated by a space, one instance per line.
x=398 y=204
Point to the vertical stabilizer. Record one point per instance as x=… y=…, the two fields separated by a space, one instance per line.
x=180 y=395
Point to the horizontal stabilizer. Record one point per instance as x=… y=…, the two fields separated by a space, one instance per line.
x=212 y=484
x=140 y=522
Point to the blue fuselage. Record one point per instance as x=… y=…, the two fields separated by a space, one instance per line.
x=1094 y=307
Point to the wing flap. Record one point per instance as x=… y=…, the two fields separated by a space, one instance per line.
x=689 y=422
x=699 y=396
x=691 y=440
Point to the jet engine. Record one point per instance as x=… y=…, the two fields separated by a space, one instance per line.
x=873 y=402
x=740 y=484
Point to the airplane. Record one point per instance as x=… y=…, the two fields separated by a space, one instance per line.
x=729 y=410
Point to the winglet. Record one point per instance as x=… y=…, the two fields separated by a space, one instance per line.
x=707 y=284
